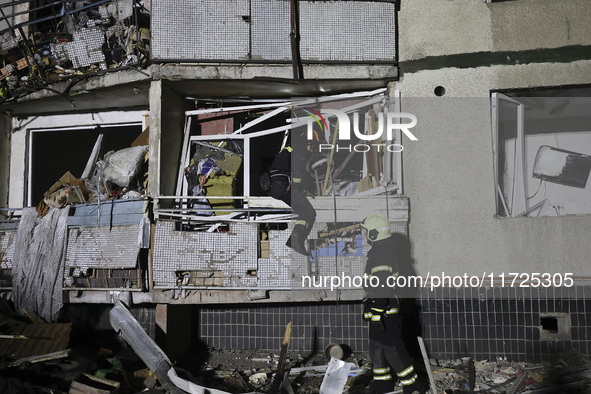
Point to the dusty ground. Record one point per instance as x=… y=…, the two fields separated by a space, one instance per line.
x=252 y=371
x=244 y=371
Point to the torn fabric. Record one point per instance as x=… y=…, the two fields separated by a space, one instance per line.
x=38 y=267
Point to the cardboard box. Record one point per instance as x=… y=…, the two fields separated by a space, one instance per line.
x=143 y=138
x=265 y=250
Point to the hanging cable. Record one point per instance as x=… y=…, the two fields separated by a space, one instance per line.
x=336 y=242
x=387 y=205
x=539 y=186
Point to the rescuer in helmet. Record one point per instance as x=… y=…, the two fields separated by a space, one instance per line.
x=388 y=352
x=287 y=175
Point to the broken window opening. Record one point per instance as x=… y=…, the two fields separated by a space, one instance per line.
x=543 y=148
x=51 y=157
x=355 y=167
x=549 y=324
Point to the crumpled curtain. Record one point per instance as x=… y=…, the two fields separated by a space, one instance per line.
x=39 y=261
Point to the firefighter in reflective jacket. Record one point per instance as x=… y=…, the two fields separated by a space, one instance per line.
x=388 y=353
x=287 y=172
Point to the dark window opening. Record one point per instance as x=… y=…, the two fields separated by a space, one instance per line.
x=56 y=152
x=542 y=151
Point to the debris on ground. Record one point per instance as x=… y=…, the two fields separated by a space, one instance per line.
x=127 y=361
x=502 y=376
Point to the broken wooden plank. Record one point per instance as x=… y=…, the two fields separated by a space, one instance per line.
x=517 y=384
x=36 y=359
x=471 y=375
x=277 y=382
x=339 y=230
x=13 y=337
x=88 y=384
x=43 y=339
x=427 y=365
x=327 y=176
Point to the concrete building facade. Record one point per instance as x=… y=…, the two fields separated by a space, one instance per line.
x=465 y=69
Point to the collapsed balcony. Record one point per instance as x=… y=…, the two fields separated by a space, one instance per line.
x=220 y=238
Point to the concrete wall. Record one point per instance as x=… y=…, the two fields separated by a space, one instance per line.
x=436 y=28
x=4 y=159
x=167 y=120
x=449 y=178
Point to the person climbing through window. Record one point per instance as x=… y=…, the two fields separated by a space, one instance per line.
x=287 y=174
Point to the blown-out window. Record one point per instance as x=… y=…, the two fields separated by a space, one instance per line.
x=543 y=152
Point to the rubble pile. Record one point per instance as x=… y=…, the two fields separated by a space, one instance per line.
x=254 y=371
x=70 y=41
x=213 y=171
x=109 y=364
x=118 y=175
x=502 y=376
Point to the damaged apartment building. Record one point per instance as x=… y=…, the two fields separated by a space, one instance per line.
x=150 y=122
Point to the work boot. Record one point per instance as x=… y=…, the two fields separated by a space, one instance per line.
x=297 y=243
x=379 y=387
x=416 y=387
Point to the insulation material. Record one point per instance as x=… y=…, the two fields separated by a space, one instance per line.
x=8 y=41
x=123 y=9
x=38 y=267
x=86 y=47
x=101 y=247
x=122 y=166
x=213 y=172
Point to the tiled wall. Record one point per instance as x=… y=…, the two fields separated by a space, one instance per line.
x=314 y=326
x=505 y=322
x=483 y=323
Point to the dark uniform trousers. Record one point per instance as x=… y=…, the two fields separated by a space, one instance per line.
x=283 y=189
x=387 y=349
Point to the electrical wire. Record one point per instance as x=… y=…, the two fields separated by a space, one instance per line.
x=539 y=186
